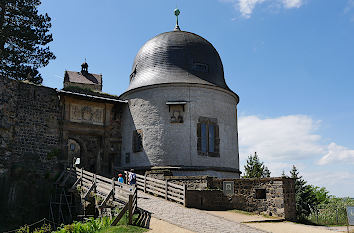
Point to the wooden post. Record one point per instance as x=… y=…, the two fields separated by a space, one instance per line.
x=184 y=194
x=82 y=176
x=94 y=183
x=166 y=189
x=145 y=183
x=348 y=222
x=136 y=195
x=113 y=187
x=130 y=209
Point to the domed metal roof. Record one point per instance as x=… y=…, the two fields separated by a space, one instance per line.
x=177 y=57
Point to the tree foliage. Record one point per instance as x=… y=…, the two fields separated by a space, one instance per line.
x=305 y=198
x=24 y=35
x=321 y=194
x=255 y=168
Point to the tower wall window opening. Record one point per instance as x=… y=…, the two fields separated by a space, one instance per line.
x=208 y=137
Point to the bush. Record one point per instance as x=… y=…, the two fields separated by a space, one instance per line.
x=331 y=213
x=91 y=226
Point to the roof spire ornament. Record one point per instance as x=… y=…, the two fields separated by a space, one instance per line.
x=177 y=12
x=84 y=67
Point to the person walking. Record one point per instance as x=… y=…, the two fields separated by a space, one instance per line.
x=132 y=177
x=120 y=178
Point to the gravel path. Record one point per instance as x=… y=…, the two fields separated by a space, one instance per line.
x=191 y=219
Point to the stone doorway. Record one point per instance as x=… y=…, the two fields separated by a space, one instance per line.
x=88 y=149
x=74 y=151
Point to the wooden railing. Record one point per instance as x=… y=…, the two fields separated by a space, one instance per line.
x=161 y=188
x=105 y=188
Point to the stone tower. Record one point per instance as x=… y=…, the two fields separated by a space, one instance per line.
x=181 y=115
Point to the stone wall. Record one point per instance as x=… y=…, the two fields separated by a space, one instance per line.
x=274 y=201
x=174 y=145
x=29 y=121
x=271 y=196
x=192 y=182
x=36 y=126
x=29 y=142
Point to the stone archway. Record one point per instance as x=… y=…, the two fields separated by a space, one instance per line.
x=74 y=150
x=86 y=147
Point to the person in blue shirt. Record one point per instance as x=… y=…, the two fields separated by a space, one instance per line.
x=120 y=178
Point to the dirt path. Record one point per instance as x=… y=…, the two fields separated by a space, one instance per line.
x=159 y=226
x=169 y=217
x=275 y=227
x=239 y=217
x=289 y=227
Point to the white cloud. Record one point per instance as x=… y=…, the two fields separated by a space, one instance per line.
x=290 y=137
x=246 y=7
x=325 y=178
x=294 y=140
x=337 y=153
x=292 y=3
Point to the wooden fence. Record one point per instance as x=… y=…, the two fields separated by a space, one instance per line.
x=104 y=188
x=161 y=188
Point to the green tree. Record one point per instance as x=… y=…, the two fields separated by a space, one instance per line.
x=321 y=194
x=255 y=168
x=24 y=35
x=305 y=198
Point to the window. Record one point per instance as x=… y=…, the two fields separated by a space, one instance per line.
x=132 y=75
x=208 y=137
x=137 y=140
x=176 y=113
x=176 y=109
x=261 y=194
x=200 y=67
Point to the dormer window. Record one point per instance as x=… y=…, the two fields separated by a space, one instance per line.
x=201 y=67
x=132 y=75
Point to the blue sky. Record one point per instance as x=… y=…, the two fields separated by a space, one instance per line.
x=290 y=61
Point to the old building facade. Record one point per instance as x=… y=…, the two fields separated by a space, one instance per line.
x=177 y=119
x=178 y=114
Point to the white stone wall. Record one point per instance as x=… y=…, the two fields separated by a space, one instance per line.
x=175 y=144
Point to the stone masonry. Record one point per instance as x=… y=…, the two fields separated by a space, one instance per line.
x=29 y=139
x=29 y=120
x=271 y=196
x=36 y=123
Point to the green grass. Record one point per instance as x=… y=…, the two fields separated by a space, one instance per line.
x=123 y=228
